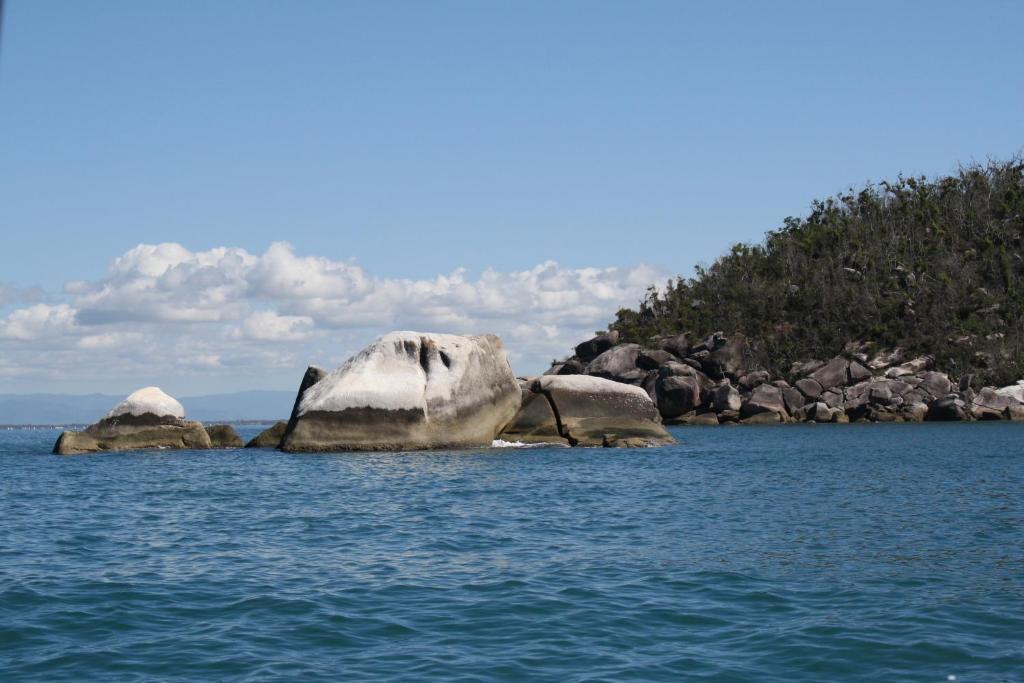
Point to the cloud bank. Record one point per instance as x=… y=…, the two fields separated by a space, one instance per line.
x=233 y=319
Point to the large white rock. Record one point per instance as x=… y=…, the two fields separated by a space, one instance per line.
x=1014 y=391
x=409 y=391
x=586 y=411
x=148 y=400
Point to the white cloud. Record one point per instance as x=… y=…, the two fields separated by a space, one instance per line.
x=280 y=274
x=270 y=326
x=110 y=340
x=166 y=282
x=39 y=321
x=164 y=309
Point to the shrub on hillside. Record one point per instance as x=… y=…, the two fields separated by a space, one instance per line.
x=934 y=267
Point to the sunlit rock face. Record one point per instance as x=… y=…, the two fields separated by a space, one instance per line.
x=579 y=410
x=410 y=391
x=148 y=400
x=147 y=418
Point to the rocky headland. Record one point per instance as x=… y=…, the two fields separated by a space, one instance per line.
x=418 y=391
x=901 y=301
x=720 y=380
x=924 y=276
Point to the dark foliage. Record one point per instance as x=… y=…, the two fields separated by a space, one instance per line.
x=935 y=267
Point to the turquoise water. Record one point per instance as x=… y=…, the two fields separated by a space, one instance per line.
x=796 y=553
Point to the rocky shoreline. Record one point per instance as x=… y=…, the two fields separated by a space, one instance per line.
x=418 y=391
x=717 y=380
x=405 y=391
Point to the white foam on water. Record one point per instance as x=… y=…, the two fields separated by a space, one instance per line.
x=501 y=443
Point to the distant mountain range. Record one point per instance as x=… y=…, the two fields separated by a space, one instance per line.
x=42 y=409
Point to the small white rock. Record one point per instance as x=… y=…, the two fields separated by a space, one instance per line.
x=148 y=400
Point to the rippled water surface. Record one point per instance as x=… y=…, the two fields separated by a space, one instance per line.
x=860 y=552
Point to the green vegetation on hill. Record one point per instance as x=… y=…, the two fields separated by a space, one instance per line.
x=935 y=267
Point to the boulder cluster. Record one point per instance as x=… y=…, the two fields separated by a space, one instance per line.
x=147 y=418
x=415 y=391
x=718 y=381
x=405 y=391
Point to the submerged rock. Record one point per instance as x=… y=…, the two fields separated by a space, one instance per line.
x=147 y=418
x=410 y=391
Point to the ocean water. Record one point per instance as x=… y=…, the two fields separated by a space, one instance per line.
x=795 y=553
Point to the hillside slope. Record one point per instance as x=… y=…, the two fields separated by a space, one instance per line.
x=933 y=266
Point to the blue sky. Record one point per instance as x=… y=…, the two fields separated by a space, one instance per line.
x=398 y=142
